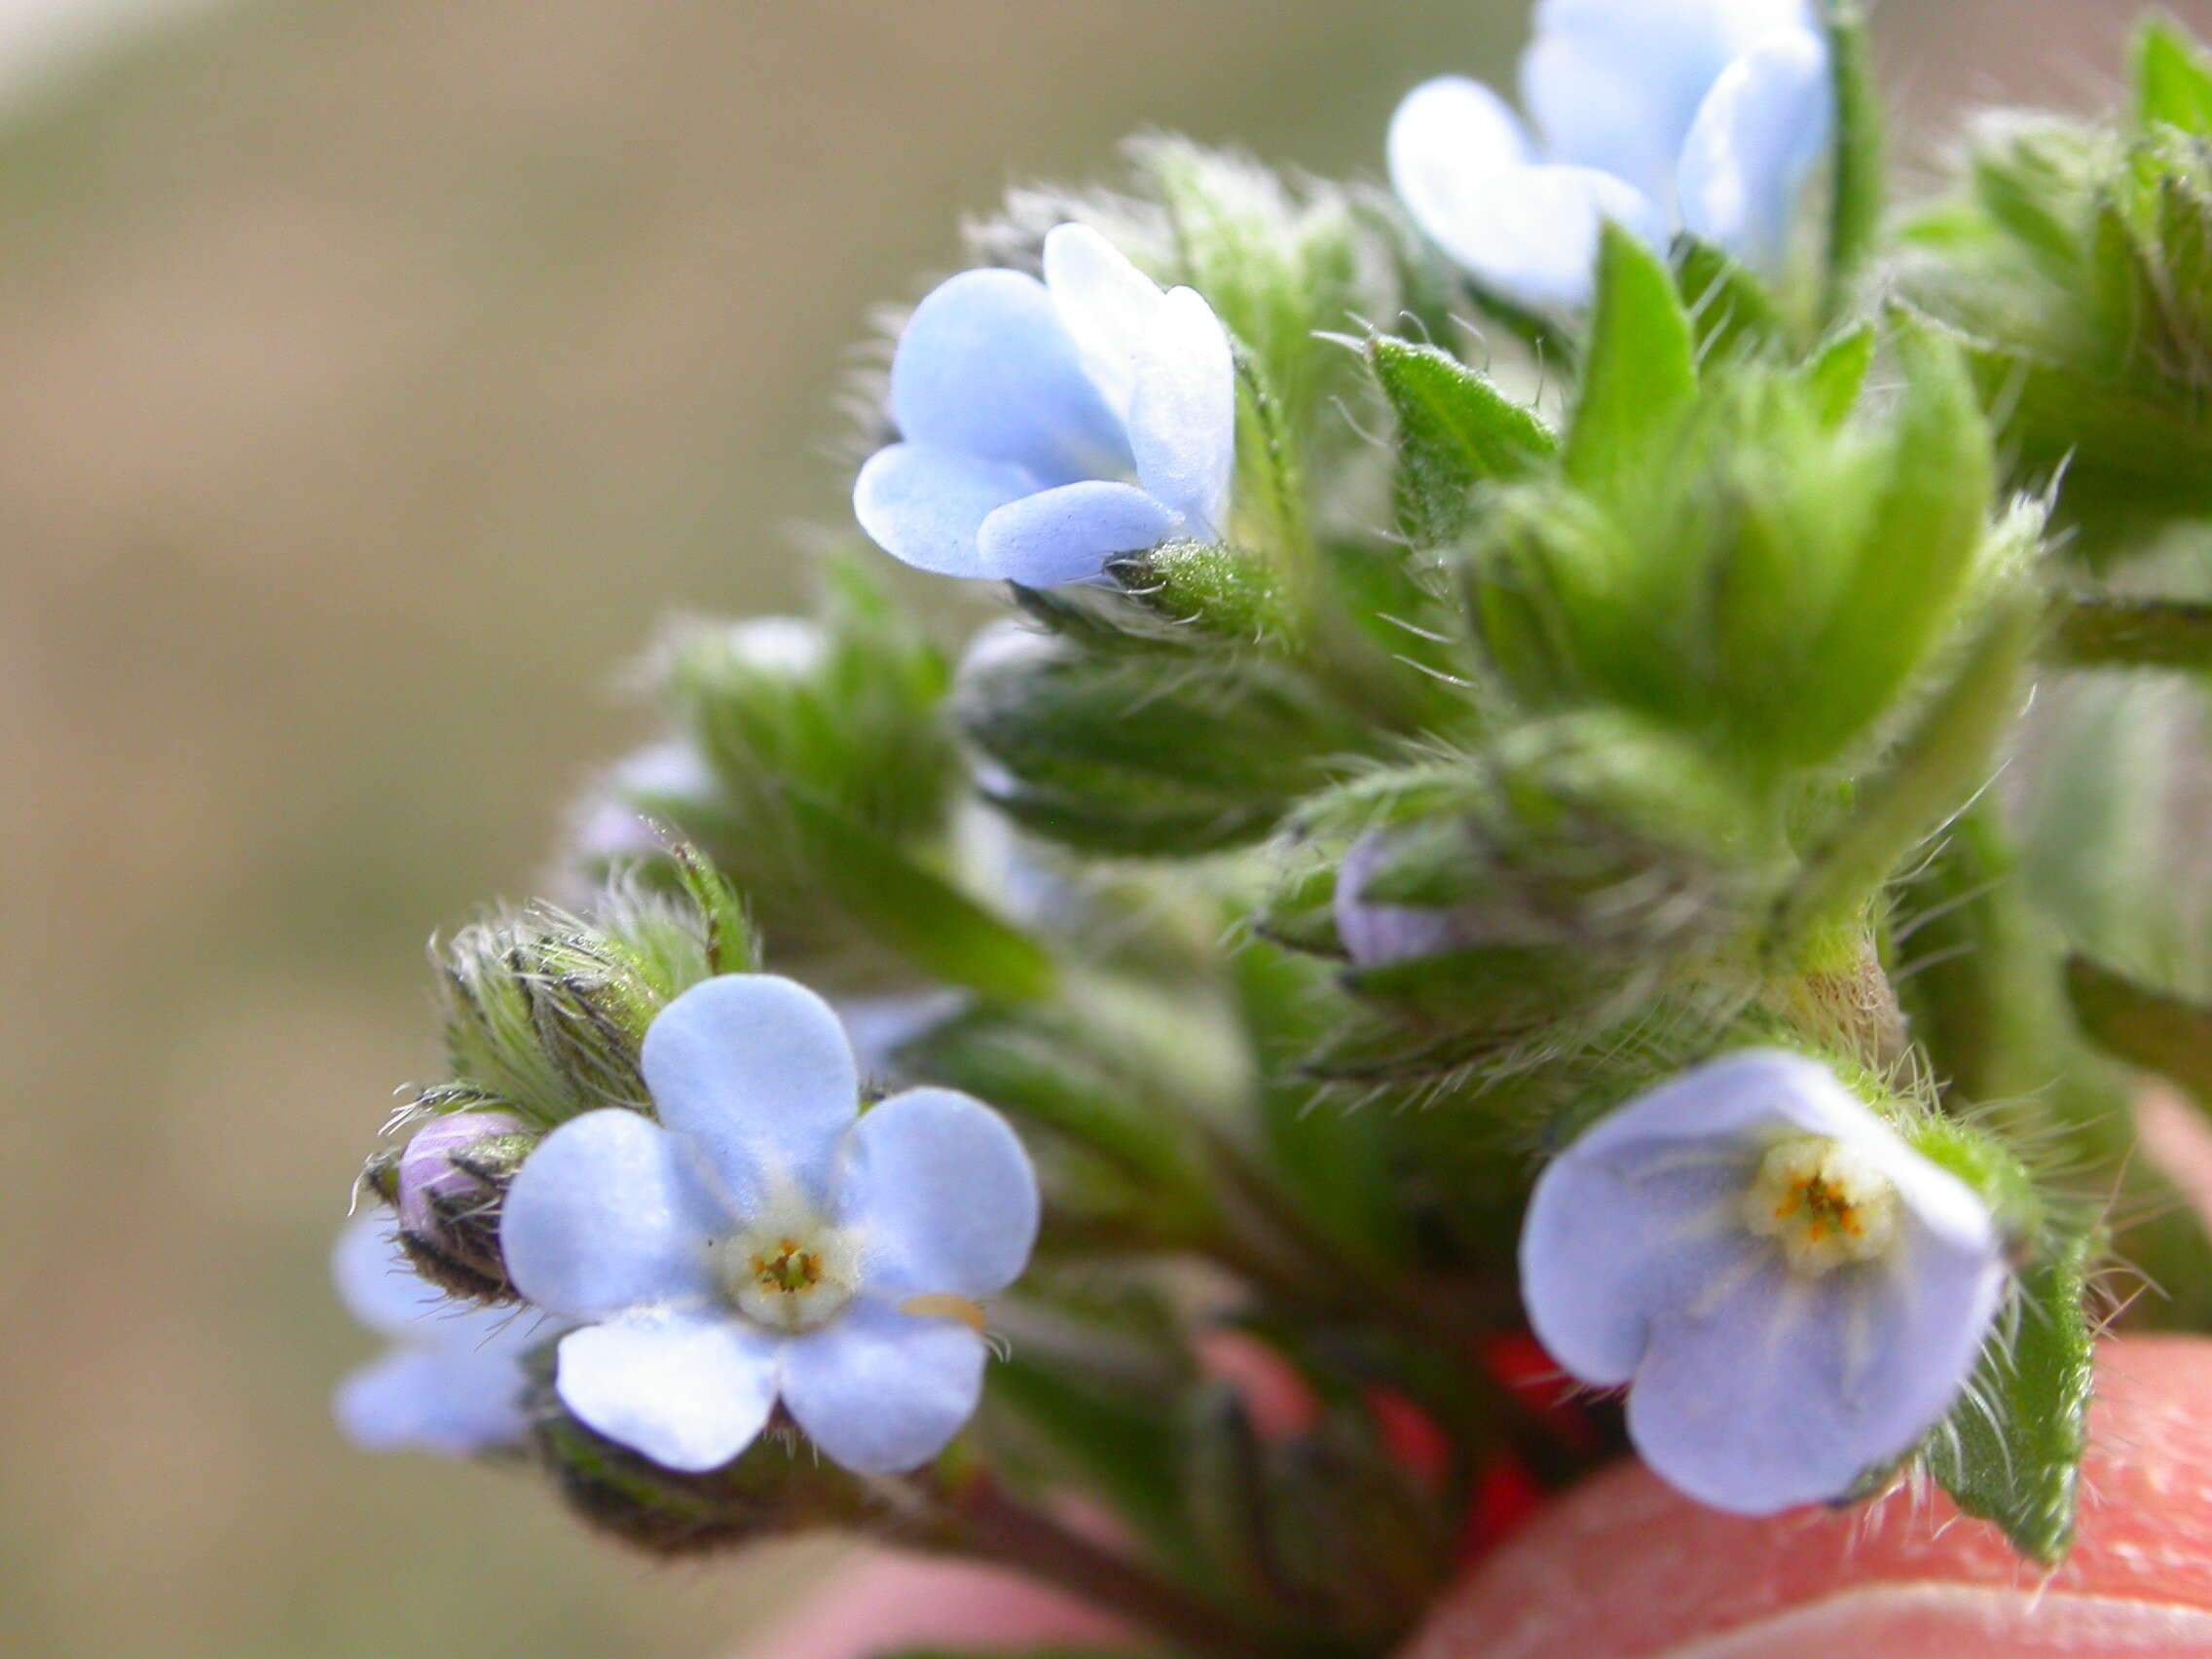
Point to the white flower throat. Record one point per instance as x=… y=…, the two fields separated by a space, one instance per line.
x=790 y=1273
x=1825 y=1203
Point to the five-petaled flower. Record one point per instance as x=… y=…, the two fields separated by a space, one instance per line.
x=1049 y=426
x=453 y=1380
x=765 y=1240
x=1793 y=1295
x=1710 y=115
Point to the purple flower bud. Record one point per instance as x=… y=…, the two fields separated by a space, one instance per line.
x=450 y=1182
x=1374 y=936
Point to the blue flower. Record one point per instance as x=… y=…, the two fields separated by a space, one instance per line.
x=1791 y=1293
x=1711 y=115
x=764 y=1240
x=1050 y=426
x=453 y=1380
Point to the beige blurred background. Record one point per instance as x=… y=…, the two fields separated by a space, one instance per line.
x=373 y=373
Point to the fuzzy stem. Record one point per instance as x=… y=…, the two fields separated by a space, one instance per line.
x=980 y=1519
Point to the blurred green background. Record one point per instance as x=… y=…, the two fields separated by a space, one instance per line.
x=373 y=374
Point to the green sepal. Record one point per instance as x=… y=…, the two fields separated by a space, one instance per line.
x=1927 y=536
x=1152 y=756
x=1456 y=430
x=1836 y=373
x=1731 y=312
x=920 y=916
x=1932 y=772
x=1640 y=375
x=2150 y=1029
x=1211 y=587
x=2173 y=79
x=2131 y=633
x=2011 y=1452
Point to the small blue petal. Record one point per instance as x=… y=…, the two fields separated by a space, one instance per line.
x=1756 y=141
x=881 y=1392
x=1067 y=534
x=924 y=506
x=377 y=1282
x=1110 y=308
x=1611 y=1245
x=611 y=1212
x=943 y=1195
x=985 y=368
x=1615 y=84
x=1183 y=415
x=690 y=1391
x=1530 y=234
x=756 y=1072
x=453 y=1403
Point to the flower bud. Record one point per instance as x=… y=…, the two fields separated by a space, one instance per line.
x=448 y=1186
x=2072 y=259
x=1268 y=1508
x=777 y=1489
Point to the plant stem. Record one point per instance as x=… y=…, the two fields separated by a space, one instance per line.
x=980 y=1519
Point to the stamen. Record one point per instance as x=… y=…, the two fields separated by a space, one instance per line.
x=1825 y=1203
x=954 y=1308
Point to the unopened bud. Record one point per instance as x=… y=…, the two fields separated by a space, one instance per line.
x=448 y=1185
x=775 y=1490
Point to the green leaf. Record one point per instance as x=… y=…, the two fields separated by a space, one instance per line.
x=2147 y=1028
x=1456 y=430
x=2132 y=633
x=2011 y=1450
x=923 y=918
x=2173 y=79
x=1640 y=377
x=1855 y=217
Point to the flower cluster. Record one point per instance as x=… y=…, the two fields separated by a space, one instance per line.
x=1437 y=887
x=1708 y=116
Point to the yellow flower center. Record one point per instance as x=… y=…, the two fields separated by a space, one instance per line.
x=1825 y=1203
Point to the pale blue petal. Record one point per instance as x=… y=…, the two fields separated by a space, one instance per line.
x=879 y=1026
x=985 y=368
x=923 y=506
x=880 y=1392
x=1786 y=1390
x=1757 y=139
x=454 y=1402
x=1530 y=234
x=1446 y=130
x=1067 y=534
x=611 y=1212
x=1743 y=1095
x=1183 y=416
x=756 y=1071
x=943 y=1195
x=377 y=1282
x=1615 y=84
x=690 y=1391
x=1110 y=308
x=1613 y=1242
